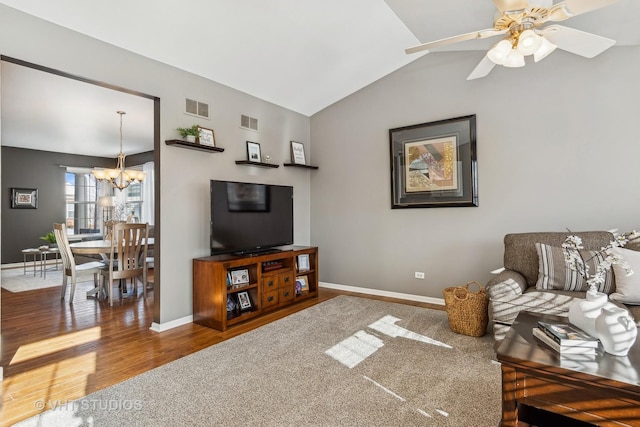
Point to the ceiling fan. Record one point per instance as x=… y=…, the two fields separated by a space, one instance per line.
x=521 y=23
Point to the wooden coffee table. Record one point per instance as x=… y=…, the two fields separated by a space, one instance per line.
x=539 y=385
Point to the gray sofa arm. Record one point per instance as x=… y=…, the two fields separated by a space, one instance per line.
x=508 y=283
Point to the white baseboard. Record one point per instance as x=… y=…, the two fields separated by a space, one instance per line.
x=377 y=292
x=162 y=327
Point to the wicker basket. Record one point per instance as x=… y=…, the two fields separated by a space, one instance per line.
x=467 y=309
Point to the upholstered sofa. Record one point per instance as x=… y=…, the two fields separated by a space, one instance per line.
x=514 y=289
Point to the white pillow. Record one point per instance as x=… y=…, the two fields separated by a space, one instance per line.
x=627 y=287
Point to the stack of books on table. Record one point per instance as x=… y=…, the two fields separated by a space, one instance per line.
x=566 y=338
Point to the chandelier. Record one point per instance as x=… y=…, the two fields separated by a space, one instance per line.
x=119 y=177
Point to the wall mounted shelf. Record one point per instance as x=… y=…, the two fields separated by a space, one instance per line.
x=193 y=146
x=300 y=166
x=260 y=164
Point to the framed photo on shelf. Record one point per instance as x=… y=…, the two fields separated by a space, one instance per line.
x=24 y=198
x=244 y=302
x=297 y=153
x=434 y=164
x=253 y=152
x=206 y=137
x=231 y=302
x=302 y=285
x=239 y=277
x=303 y=262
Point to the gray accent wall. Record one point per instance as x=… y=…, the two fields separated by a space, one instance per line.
x=557 y=149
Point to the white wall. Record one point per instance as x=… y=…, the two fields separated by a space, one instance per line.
x=557 y=143
x=184 y=174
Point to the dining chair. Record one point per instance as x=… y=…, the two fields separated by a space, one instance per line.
x=127 y=258
x=70 y=268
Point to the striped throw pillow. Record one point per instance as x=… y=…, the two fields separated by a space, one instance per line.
x=555 y=273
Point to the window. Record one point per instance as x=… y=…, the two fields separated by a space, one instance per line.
x=81 y=193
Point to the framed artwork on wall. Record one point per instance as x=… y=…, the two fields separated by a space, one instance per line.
x=253 y=152
x=206 y=137
x=297 y=153
x=24 y=198
x=434 y=164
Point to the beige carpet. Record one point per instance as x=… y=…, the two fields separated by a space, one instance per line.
x=15 y=280
x=345 y=362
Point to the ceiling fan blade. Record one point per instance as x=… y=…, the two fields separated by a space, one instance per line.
x=482 y=69
x=482 y=34
x=576 y=41
x=509 y=5
x=578 y=7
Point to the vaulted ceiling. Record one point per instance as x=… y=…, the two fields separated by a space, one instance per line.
x=302 y=55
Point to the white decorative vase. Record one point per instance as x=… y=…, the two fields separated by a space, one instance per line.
x=584 y=312
x=190 y=138
x=616 y=330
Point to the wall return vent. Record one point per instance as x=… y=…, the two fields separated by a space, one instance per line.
x=197 y=108
x=248 y=122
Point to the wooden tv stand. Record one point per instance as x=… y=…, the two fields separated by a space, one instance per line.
x=222 y=284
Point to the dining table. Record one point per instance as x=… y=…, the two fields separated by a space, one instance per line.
x=98 y=247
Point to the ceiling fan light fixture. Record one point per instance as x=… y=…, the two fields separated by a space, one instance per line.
x=498 y=54
x=528 y=42
x=546 y=47
x=514 y=60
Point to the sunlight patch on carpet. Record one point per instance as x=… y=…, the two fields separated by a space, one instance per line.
x=356 y=348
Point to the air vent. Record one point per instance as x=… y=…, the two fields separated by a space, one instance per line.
x=248 y=122
x=196 y=108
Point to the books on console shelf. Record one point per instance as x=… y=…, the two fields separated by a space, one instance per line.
x=567 y=334
x=571 y=349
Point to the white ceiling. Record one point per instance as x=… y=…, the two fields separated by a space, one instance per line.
x=302 y=55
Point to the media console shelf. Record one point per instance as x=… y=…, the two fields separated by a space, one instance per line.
x=229 y=289
x=193 y=146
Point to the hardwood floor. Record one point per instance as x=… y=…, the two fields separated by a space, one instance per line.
x=53 y=352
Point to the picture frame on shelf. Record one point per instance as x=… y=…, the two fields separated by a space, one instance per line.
x=232 y=304
x=303 y=262
x=206 y=137
x=302 y=285
x=434 y=164
x=253 y=152
x=244 y=301
x=24 y=198
x=297 y=153
x=240 y=277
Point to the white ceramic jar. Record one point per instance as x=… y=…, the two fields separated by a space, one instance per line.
x=616 y=330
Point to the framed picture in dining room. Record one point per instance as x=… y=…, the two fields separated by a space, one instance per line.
x=297 y=153
x=24 y=198
x=434 y=164
x=206 y=137
x=253 y=152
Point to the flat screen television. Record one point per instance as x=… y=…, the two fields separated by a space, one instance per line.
x=250 y=218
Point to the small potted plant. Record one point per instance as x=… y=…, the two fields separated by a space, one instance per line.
x=50 y=237
x=190 y=134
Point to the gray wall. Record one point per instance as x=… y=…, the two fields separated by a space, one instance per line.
x=184 y=174
x=22 y=168
x=557 y=143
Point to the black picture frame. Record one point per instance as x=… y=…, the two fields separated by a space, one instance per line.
x=24 y=198
x=434 y=164
x=253 y=152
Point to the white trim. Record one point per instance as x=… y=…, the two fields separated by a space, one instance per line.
x=410 y=297
x=162 y=327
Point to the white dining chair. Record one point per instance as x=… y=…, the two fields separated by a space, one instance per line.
x=70 y=268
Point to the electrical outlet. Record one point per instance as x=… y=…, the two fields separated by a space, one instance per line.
x=419 y=275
